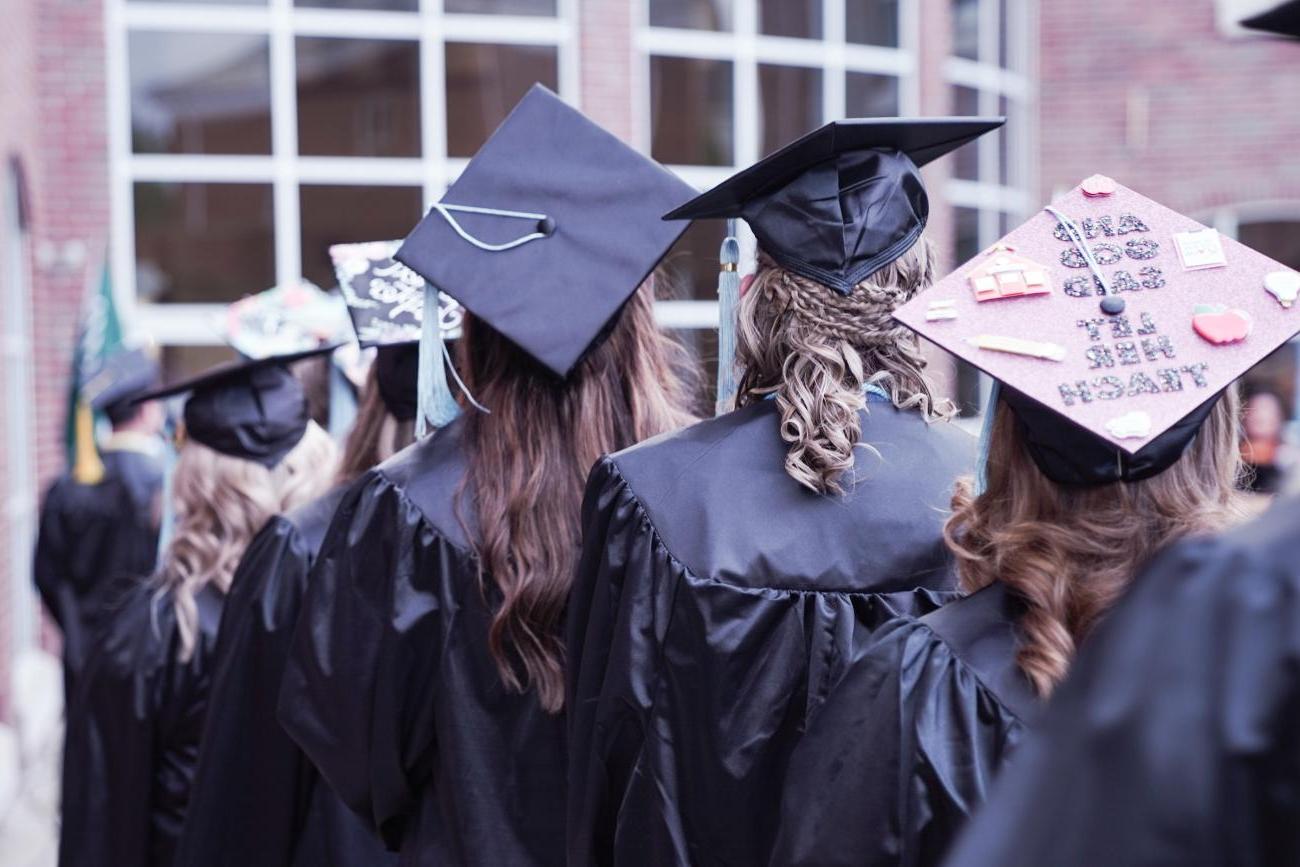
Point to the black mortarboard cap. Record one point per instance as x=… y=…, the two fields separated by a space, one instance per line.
x=845 y=200
x=549 y=230
x=397 y=374
x=385 y=298
x=119 y=380
x=1283 y=19
x=255 y=410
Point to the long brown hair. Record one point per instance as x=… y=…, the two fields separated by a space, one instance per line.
x=528 y=464
x=1068 y=552
x=376 y=434
x=816 y=349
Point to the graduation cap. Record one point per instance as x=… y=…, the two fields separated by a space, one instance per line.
x=549 y=230
x=285 y=319
x=250 y=409
x=385 y=299
x=1283 y=19
x=123 y=376
x=1112 y=323
x=845 y=200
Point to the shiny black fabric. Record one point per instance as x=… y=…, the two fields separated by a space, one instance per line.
x=716 y=604
x=1176 y=738
x=251 y=778
x=90 y=535
x=133 y=734
x=908 y=743
x=1283 y=19
x=260 y=416
x=391 y=691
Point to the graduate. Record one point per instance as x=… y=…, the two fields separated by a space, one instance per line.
x=728 y=570
x=249 y=452
x=1115 y=434
x=282 y=814
x=93 y=533
x=426 y=676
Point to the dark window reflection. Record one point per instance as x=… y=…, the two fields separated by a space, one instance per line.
x=801 y=19
x=966 y=160
x=867 y=94
x=691 y=111
x=966 y=28
x=200 y=93
x=695 y=14
x=690 y=270
x=791 y=100
x=203 y=242
x=871 y=22
x=182 y=362
x=701 y=346
x=350 y=214
x=1005 y=32
x=484 y=82
x=372 y=5
x=1277 y=239
x=358 y=97
x=966 y=235
x=501 y=7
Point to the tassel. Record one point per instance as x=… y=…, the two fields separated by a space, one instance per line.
x=343 y=403
x=728 y=305
x=87 y=468
x=435 y=404
x=167 y=518
x=986 y=434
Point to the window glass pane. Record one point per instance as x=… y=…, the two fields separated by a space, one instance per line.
x=966 y=28
x=200 y=93
x=869 y=95
x=1009 y=170
x=965 y=235
x=222 y=2
x=690 y=111
x=203 y=242
x=966 y=161
x=375 y=5
x=484 y=82
x=501 y=7
x=182 y=362
x=790 y=100
x=797 y=18
x=701 y=345
x=358 y=97
x=690 y=270
x=695 y=14
x=1278 y=239
x=871 y=22
x=350 y=214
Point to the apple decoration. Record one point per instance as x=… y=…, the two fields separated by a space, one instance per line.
x=1219 y=325
x=1098 y=186
x=1283 y=285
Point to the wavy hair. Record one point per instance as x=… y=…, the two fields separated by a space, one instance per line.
x=528 y=464
x=220 y=502
x=816 y=350
x=376 y=434
x=1068 y=552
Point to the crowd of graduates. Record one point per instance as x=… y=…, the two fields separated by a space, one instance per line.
x=530 y=610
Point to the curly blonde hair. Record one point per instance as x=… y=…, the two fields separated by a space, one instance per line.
x=1068 y=552
x=816 y=350
x=220 y=502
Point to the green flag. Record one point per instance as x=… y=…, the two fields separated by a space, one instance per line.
x=98 y=337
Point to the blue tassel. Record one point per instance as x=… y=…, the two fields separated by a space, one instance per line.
x=436 y=405
x=343 y=404
x=986 y=434
x=167 y=520
x=728 y=305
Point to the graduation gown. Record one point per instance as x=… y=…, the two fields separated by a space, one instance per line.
x=257 y=801
x=1176 y=738
x=91 y=534
x=716 y=604
x=907 y=745
x=133 y=734
x=391 y=691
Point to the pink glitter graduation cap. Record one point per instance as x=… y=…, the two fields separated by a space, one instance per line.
x=1147 y=313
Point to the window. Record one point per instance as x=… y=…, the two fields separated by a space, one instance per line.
x=248 y=135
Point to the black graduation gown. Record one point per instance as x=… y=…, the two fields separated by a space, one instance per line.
x=133 y=734
x=390 y=689
x=1176 y=738
x=715 y=605
x=257 y=801
x=907 y=745
x=92 y=534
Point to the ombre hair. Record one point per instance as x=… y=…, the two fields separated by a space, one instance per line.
x=1068 y=552
x=528 y=465
x=376 y=434
x=221 y=502
x=816 y=350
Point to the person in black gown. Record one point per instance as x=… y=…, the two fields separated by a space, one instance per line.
x=729 y=569
x=283 y=814
x=138 y=710
x=1076 y=497
x=426 y=675
x=94 y=533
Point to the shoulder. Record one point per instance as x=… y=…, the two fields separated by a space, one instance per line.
x=139 y=631
x=310 y=520
x=427 y=476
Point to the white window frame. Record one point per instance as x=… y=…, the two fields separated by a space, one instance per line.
x=283 y=169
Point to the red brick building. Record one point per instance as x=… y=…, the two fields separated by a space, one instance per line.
x=210 y=148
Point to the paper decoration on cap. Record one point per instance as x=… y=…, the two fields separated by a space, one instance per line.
x=1061 y=352
x=1098 y=186
x=1283 y=285
x=385 y=298
x=1200 y=249
x=285 y=319
x=1130 y=425
x=1006 y=274
x=940 y=309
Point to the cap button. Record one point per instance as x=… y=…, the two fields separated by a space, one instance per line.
x=546 y=226
x=1112 y=305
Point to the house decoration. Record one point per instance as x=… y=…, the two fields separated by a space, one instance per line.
x=1005 y=274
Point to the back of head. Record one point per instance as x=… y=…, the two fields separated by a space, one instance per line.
x=376 y=435
x=528 y=464
x=816 y=350
x=1067 y=552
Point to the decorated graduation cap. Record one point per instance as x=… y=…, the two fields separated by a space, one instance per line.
x=1112 y=323
x=120 y=379
x=251 y=409
x=1283 y=19
x=285 y=319
x=549 y=230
